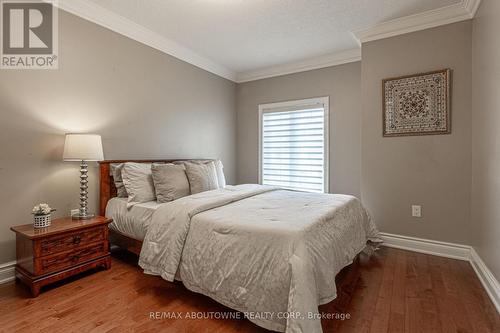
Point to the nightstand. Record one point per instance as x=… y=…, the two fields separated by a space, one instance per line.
x=65 y=248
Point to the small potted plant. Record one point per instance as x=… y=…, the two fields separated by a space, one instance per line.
x=42 y=215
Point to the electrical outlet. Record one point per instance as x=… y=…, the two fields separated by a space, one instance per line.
x=416 y=210
x=74 y=212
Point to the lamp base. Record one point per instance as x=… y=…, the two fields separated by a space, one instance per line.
x=83 y=213
x=82 y=217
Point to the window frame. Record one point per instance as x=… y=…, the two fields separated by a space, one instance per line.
x=293 y=104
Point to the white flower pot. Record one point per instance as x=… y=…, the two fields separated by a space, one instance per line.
x=42 y=221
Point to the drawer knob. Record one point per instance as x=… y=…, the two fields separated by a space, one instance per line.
x=75 y=258
x=76 y=240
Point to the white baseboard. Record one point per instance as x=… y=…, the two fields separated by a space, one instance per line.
x=7 y=272
x=490 y=283
x=427 y=246
x=449 y=250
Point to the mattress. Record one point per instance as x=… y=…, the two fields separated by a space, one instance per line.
x=132 y=222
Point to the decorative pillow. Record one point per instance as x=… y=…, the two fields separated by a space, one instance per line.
x=170 y=182
x=201 y=176
x=138 y=181
x=221 y=179
x=116 y=172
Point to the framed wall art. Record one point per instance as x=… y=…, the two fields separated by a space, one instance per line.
x=417 y=104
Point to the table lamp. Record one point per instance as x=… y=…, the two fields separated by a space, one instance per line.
x=83 y=148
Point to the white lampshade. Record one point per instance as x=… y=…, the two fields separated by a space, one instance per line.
x=83 y=147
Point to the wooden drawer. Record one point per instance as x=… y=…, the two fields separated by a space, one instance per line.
x=56 y=262
x=69 y=241
x=65 y=248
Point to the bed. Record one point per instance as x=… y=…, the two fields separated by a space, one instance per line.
x=272 y=254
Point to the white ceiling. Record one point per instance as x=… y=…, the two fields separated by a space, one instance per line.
x=248 y=36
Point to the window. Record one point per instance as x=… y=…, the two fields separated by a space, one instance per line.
x=294 y=144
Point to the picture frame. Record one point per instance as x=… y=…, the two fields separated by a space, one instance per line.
x=417 y=104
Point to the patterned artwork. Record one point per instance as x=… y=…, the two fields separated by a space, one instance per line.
x=417 y=104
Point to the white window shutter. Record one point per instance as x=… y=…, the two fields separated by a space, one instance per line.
x=294 y=145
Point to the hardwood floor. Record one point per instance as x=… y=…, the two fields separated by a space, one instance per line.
x=398 y=291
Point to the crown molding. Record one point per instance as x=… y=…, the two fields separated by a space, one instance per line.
x=119 y=24
x=333 y=59
x=472 y=6
x=464 y=10
x=92 y=12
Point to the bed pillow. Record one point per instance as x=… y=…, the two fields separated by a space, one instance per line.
x=201 y=176
x=219 y=168
x=170 y=182
x=116 y=172
x=221 y=179
x=138 y=181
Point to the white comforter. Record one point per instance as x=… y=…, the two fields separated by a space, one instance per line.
x=270 y=253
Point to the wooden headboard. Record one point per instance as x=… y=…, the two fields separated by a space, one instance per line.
x=107 y=189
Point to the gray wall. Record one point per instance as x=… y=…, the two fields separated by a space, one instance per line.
x=391 y=174
x=342 y=84
x=433 y=170
x=145 y=104
x=485 y=134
